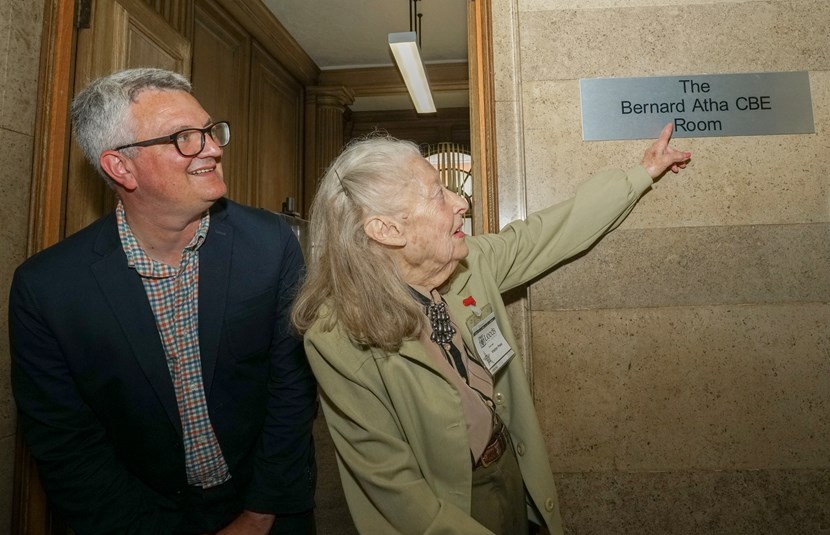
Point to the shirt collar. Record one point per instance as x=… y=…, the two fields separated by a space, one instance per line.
x=138 y=259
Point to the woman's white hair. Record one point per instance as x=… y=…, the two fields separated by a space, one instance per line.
x=353 y=276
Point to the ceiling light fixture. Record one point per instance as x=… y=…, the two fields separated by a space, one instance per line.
x=405 y=48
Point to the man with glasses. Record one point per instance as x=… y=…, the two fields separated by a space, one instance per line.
x=159 y=387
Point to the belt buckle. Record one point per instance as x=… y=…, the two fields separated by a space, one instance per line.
x=497 y=446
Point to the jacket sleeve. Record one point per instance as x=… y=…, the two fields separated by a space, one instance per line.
x=284 y=469
x=76 y=462
x=524 y=249
x=384 y=486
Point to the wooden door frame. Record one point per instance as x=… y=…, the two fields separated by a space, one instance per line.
x=482 y=116
x=30 y=514
x=30 y=511
x=52 y=128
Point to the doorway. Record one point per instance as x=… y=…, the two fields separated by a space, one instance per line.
x=61 y=204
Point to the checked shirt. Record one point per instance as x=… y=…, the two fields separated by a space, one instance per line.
x=173 y=293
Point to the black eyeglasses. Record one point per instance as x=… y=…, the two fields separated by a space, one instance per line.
x=190 y=141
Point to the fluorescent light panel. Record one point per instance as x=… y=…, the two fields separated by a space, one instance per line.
x=405 y=49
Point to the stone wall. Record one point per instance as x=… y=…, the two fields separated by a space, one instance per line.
x=20 y=29
x=681 y=368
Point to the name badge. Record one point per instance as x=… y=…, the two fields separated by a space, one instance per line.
x=488 y=340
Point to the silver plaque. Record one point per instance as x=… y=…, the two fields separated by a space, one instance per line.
x=700 y=105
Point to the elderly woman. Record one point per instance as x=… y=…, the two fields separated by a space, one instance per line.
x=424 y=394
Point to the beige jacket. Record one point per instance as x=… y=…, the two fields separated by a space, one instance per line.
x=397 y=423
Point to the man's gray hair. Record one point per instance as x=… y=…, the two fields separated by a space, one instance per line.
x=100 y=113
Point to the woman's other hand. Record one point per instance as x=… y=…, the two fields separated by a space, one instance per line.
x=659 y=157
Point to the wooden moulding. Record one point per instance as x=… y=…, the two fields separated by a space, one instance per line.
x=379 y=81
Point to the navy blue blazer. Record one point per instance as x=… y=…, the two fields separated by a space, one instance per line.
x=95 y=398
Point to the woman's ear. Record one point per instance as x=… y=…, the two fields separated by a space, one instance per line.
x=384 y=230
x=117 y=167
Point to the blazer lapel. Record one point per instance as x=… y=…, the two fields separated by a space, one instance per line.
x=416 y=351
x=214 y=277
x=124 y=291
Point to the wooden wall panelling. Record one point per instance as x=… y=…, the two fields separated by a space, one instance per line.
x=267 y=30
x=449 y=124
x=221 y=74
x=179 y=13
x=276 y=132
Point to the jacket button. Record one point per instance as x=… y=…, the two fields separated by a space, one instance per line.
x=499 y=398
x=550 y=505
x=520 y=448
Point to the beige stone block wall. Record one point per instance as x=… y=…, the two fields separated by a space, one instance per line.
x=20 y=30
x=681 y=368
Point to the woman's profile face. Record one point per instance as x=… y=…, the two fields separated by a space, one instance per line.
x=434 y=239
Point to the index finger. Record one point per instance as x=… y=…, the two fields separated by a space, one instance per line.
x=665 y=134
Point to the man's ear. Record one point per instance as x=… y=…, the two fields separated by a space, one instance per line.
x=116 y=165
x=386 y=231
